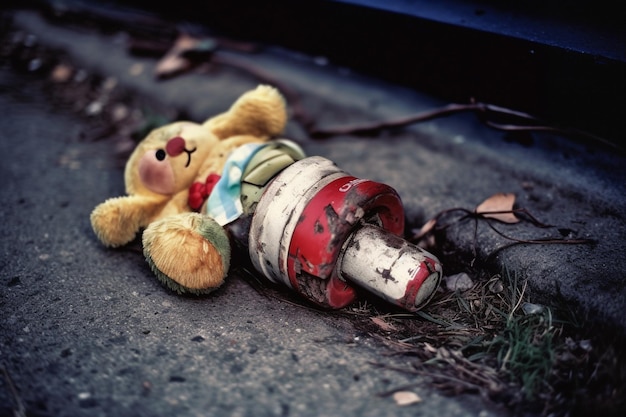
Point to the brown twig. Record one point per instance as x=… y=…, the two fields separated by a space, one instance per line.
x=484 y=215
x=376 y=127
x=474 y=215
x=482 y=110
x=542 y=240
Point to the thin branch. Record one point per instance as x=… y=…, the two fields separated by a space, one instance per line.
x=404 y=121
x=541 y=240
x=482 y=110
x=550 y=129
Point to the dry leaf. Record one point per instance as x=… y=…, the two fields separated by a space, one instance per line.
x=174 y=62
x=61 y=73
x=427 y=228
x=499 y=207
x=384 y=326
x=403 y=398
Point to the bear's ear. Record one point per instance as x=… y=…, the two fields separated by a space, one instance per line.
x=260 y=112
x=117 y=221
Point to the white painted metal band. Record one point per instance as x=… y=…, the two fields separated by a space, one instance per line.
x=279 y=209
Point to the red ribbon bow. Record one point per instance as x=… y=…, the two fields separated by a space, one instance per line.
x=199 y=192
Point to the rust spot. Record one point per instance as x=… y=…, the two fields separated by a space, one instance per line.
x=395 y=242
x=331 y=214
x=386 y=274
x=318 y=228
x=261 y=247
x=313 y=288
x=325 y=270
x=297 y=266
x=299 y=261
x=308 y=263
x=355 y=216
x=337 y=228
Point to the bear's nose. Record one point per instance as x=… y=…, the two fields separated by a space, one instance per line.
x=175 y=146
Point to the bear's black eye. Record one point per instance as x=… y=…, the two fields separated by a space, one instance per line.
x=160 y=154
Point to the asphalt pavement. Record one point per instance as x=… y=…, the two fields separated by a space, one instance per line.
x=88 y=330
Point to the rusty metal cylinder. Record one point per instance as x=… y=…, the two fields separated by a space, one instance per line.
x=320 y=231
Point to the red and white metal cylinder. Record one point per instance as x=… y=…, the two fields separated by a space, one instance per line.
x=319 y=230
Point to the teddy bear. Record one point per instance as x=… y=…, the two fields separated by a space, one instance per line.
x=170 y=179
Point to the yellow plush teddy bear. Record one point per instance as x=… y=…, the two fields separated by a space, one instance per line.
x=169 y=178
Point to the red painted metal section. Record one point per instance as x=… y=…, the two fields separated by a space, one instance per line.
x=325 y=224
x=424 y=270
x=339 y=293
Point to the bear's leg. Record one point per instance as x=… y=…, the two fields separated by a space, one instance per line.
x=188 y=252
